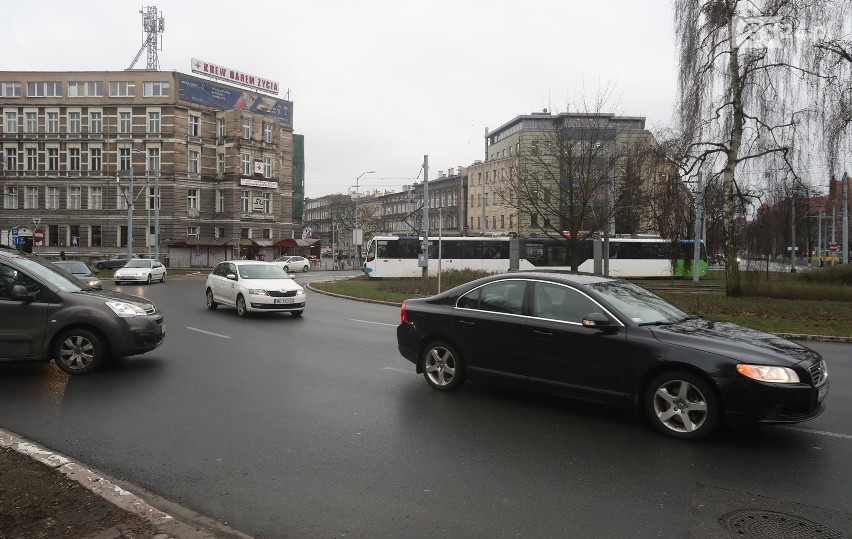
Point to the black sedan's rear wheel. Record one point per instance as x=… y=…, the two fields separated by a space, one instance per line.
x=79 y=351
x=443 y=366
x=682 y=405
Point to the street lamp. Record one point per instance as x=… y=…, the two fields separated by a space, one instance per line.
x=358 y=234
x=128 y=197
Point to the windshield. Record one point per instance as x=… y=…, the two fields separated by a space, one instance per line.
x=138 y=264
x=637 y=303
x=262 y=271
x=74 y=267
x=53 y=274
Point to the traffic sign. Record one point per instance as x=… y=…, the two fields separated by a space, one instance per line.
x=15 y=232
x=19 y=240
x=832 y=246
x=39 y=235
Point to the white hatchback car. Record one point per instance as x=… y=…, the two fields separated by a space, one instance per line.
x=140 y=270
x=293 y=263
x=253 y=286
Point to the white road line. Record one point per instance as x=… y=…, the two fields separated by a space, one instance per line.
x=377 y=323
x=209 y=333
x=821 y=432
x=406 y=371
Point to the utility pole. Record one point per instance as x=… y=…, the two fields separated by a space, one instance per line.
x=793 y=228
x=699 y=214
x=128 y=197
x=424 y=256
x=845 y=246
x=157 y=213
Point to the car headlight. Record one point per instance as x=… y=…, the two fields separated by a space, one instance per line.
x=766 y=373
x=125 y=310
x=300 y=291
x=257 y=292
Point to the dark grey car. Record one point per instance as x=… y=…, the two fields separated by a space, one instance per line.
x=111 y=262
x=80 y=270
x=47 y=313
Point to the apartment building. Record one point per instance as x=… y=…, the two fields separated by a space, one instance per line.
x=213 y=159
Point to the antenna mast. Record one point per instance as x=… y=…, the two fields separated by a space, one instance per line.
x=153 y=25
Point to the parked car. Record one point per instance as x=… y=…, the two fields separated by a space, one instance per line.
x=111 y=262
x=253 y=286
x=140 y=270
x=80 y=270
x=293 y=263
x=47 y=313
x=611 y=341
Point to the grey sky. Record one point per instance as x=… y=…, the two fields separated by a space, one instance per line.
x=378 y=84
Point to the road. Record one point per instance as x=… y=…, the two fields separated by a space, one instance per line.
x=317 y=427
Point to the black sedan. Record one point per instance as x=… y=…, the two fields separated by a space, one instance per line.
x=610 y=341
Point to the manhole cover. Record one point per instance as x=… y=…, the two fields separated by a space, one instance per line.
x=753 y=524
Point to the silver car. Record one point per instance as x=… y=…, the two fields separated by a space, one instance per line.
x=253 y=286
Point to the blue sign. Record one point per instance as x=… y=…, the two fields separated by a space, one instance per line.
x=15 y=232
x=19 y=240
x=219 y=96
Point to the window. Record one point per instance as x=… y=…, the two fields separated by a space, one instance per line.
x=73 y=158
x=121 y=198
x=267 y=132
x=124 y=122
x=501 y=297
x=96 y=235
x=266 y=234
x=53 y=122
x=96 y=198
x=32 y=159
x=153 y=198
x=10 y=198
x=153 y=121
x=11 y=123
x=246 y=128
x=95 y=159
x=30 y=121
x=74 y=232
x=53 y=159
x=153 y=159
x=267 y=202
x=124 y=159
x=219 y=232
x=44 y=89
x=245 y=160
x=244 y=201
x=220 y=200
x=557 y=302
x=220 y=132
x=96 y=122
x=220 y=163
x=74 y=121
x=244 y=233
x=534 y=219
x=267 y=167
x=192 y=199
x=86 y=89
x=74 y=195
x=194 y=126
x=155 y=89
x=193 y=162
x=52 y=202
x=192 y=231
x=10 y=89
x=122 y=89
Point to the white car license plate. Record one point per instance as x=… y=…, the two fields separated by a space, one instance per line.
x=283 y=300
x=822 y=392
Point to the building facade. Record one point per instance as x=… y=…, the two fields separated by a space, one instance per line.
x=214 y=160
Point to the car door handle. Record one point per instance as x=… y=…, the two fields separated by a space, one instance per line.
x=543 y=333
x=467 y=322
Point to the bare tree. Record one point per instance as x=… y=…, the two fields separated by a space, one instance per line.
x=742 y=69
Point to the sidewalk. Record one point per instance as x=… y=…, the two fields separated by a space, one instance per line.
x=48 y=495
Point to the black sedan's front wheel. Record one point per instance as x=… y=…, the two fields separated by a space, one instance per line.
x=443 y=367
x=79 y=351
x=682 y=405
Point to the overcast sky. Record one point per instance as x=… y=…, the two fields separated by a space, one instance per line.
x=376 y=85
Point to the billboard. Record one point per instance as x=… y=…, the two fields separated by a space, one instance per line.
x=211 y=94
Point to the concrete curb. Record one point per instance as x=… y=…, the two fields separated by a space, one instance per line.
x=189 y=525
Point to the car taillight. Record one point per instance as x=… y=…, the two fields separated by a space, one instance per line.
x=402 y=315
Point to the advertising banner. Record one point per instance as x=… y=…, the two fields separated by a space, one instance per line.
x=203 y=92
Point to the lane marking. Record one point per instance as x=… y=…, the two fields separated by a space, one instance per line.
x=209 y=333
x=406 y=371
x=377 y=323
x=821 y=432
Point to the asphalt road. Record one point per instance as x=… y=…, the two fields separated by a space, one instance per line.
x=317 y=427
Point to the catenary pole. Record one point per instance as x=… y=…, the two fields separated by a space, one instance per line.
x=424 y=257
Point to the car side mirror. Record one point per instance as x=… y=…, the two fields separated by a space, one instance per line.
x=20 y=293
x=231 y=277
x=597 y=321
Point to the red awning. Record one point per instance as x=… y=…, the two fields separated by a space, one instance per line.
x=296 y=242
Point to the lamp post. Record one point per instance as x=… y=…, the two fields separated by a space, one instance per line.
x=128 y=197
x=357 y=234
